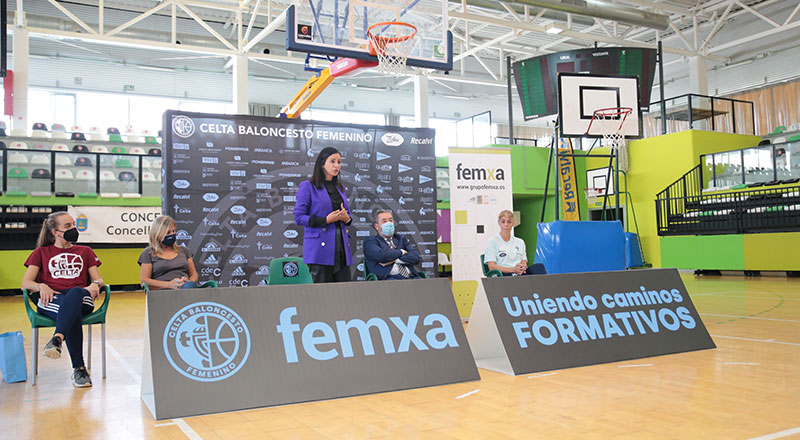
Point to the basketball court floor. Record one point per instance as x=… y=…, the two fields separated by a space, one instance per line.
x=747 y=388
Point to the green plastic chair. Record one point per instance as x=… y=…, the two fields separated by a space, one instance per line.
x=794 y=138
x=207 y=284
x=123 y=163
x=372 y=277
x=278 y=276
x=40 y=321
x=17 y=173
x=116 y=138
x=489 y=273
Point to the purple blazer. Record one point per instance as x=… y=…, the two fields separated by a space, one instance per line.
x=319 y=244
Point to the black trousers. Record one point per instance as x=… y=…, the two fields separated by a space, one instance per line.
x=324 y=274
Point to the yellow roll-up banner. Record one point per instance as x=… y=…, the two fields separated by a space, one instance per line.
x=569 y=184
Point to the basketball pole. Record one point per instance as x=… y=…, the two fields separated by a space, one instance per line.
x=510 y=102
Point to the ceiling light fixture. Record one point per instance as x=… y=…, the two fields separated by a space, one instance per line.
x=464 y=98
x=554 y=29
x=156 y=68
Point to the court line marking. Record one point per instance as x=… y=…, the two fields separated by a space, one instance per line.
x=741 y=363
x=180 y=423
x=713 y=293
x=125 y=365
x=751 y=317
x=468 y=394
x=771 y=341
x=541 y=375
x=159 y=425
x=191 y=433
x=635 y=365
x=780 y=434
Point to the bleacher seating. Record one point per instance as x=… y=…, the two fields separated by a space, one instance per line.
x=57 y=131
x=59 y=147
x=113 y=135
x=39 y=130
x=18 y=146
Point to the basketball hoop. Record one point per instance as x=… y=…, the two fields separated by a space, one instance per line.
x=591 y=195
x=391 y=42
x=612 y=133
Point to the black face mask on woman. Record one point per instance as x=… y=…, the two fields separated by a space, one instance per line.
x=71 y=235
x=169 y=240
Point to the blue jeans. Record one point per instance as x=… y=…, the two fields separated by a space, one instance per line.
x=533 y=269
x=70 y=307
x=189 y=285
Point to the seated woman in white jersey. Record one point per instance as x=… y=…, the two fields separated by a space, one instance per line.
x=507 y=253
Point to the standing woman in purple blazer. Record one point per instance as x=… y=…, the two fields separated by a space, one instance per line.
x=323 y=210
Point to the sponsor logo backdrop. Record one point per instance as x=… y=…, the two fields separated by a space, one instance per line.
x=231 y=183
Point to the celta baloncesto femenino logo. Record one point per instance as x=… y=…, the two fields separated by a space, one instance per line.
x=182 y=126
x=206 y=341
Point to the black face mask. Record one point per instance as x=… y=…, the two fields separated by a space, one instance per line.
x=169 y=240
x=71 y=235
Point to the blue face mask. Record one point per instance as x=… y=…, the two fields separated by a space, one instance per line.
x=387 y=229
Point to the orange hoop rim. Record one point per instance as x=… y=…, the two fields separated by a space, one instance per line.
x=624 y=112
x=383 y=41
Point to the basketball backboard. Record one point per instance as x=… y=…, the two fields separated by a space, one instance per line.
x=579 y=95
x=338 y=28
x=597 y=179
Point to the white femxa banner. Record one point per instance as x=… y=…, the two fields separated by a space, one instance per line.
x=114 y=224
x=480 y=187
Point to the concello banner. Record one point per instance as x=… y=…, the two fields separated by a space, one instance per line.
x=569 y=187
x=480 y=187
x=529 y=324
x=114 y=224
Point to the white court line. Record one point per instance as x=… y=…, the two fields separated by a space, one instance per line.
x=775 y=435
x=712 y=293
x=191 y=433
x=468 y=394
x=635 y=365
x=125 y=365
x=751 y=317
x=541 y=375
x=741 y=363
x=771 y=341
x=187 y=430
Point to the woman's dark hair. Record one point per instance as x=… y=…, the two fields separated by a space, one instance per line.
x=318 y=175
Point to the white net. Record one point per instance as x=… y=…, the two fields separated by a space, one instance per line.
x=591 y=195
x=392 y=42
x=612 y=133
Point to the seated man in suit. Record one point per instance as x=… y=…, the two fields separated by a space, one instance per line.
x=389 y=256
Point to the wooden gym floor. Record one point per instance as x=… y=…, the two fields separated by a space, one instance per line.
x=749 y=387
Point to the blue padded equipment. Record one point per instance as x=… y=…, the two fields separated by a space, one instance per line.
x=633 y=253
x=580 y=246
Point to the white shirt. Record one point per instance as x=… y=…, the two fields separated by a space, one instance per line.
x=505 y=253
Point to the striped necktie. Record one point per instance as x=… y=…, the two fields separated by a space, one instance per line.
x=404 y=271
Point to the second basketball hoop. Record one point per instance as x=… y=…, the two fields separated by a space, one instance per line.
x=391 y=42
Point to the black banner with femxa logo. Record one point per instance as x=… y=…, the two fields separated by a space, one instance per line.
x=231 y=183
x=538 y=323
